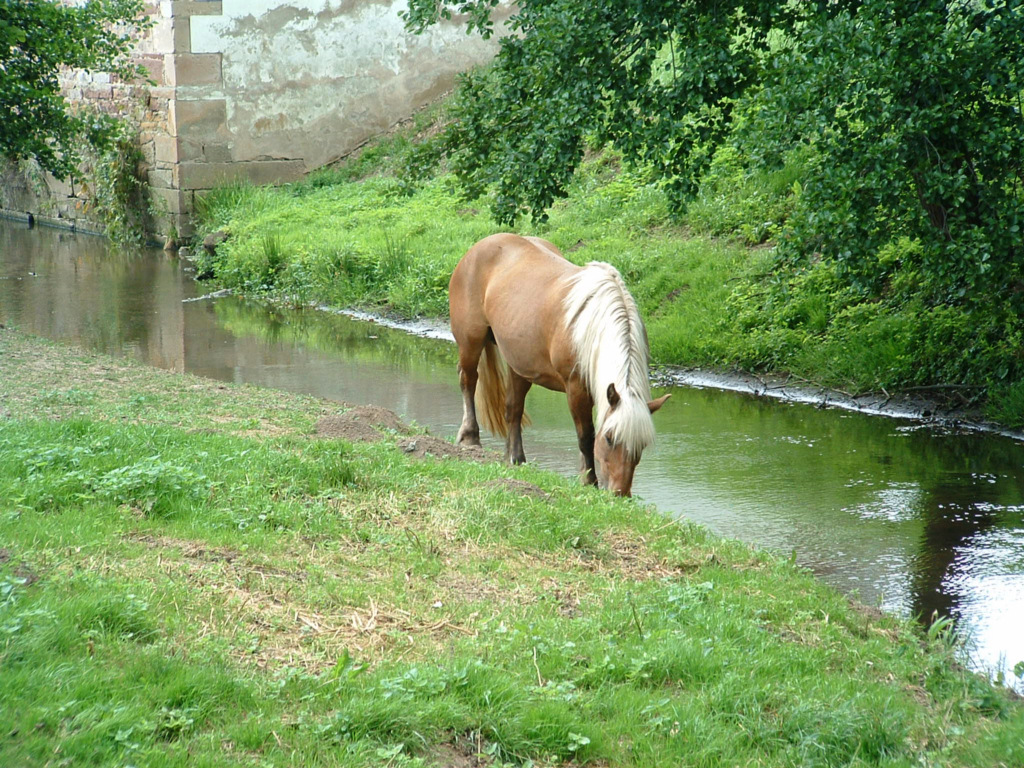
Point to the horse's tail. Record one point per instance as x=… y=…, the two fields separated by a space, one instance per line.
x=491 y=388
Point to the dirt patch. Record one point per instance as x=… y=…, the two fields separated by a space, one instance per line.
x=422 y=446
x=22 y=571
x=567 y=596
x=460 y=755
x=520 y=488
x=191 y=549
x=364 y=423
x=371 y=423
x=26 y=574
x=622 y=554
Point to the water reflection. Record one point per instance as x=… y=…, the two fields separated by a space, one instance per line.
x=912 y=519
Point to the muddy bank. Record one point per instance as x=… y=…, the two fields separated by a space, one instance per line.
x=371 y=423
x=902 y=405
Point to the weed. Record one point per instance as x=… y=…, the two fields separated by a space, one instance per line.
x=120 y=195
x=152 y=485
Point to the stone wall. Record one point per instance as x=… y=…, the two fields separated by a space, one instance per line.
x=265 y=91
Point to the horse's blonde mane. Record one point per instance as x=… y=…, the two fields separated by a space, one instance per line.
x=610 y=346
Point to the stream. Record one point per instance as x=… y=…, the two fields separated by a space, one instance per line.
x=909 y=517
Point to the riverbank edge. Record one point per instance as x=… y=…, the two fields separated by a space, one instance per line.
x=930 y=413
x=790 y=389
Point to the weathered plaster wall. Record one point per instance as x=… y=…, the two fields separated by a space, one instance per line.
x=270 y=90
x=267 y=90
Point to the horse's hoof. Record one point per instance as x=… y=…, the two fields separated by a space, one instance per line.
x=469 y=440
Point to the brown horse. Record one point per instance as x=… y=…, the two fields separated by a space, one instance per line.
x=535 y=318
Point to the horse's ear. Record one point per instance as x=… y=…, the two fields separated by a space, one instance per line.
x=654 y=405
x=613 y=396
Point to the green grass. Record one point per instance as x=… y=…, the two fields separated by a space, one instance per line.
x=384 y=232
x=367 y=245
x=204 y=581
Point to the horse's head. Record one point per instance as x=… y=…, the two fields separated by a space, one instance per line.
x=617 y=446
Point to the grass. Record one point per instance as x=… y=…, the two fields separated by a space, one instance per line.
x=394 y=252
x=384 y=232
x=190 y=575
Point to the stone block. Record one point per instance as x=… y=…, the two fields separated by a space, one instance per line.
x=192 y=7
x=159 y=96
x=172 y=35
x=204 y=151
x=148 y=150
x=198 y=118
x=190 y=149
x=214 y=152
x=166 y=149
x=58 y=187
x=150 y=129
x=154 y=64
x=171 y=201
x=209 y=175
x=160 y=178
x=195 y=69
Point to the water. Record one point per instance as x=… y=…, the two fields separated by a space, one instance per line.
x=911 y=518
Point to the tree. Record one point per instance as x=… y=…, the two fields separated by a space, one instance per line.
x=915 y=111
x=912 y=112
x=40 y=38
x=657 y=78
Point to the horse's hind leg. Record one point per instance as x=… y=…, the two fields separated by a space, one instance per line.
x=515 y=402
x=469 y=361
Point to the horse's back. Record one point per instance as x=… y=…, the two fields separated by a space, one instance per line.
x=513 y=286
x=506 y=268
x=506 y=252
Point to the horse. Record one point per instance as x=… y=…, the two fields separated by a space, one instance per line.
x=522 y=314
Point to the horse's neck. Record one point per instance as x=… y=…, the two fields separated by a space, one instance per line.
x=607 y=334
x=628 y=372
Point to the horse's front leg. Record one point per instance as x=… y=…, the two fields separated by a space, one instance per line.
x=581 y=406
x=515 y=403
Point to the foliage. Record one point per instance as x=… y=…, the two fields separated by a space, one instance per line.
x=912 y=113
x=120 y=194
x=37 y=39
x=659 y=80
x=749 y=201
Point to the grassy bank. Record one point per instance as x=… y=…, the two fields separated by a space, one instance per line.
x=711 y=287
x=195 y=574
x=377 y=243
